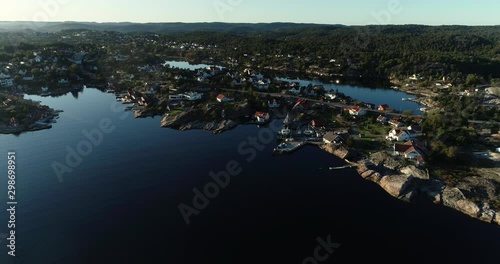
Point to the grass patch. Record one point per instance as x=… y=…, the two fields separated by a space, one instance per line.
x=451 y=176
x=175 y=112
x=368 y=146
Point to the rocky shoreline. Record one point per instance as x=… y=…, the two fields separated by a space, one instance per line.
x=409 y=183
x=43 y=124
x=178 y=122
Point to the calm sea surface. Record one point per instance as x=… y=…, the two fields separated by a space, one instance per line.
x=120 y=205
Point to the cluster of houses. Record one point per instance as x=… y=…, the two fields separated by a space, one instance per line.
x=46 y=60
x=6 y=80
x=140 y=99
x=36 y=114
x=412 y=150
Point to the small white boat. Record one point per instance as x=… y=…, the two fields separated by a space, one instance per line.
x=308 y=132
x=285 y=132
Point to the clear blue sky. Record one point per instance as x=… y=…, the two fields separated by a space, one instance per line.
x=348 y=12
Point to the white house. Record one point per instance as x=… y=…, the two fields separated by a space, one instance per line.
x=330 y=96
x=38 y=59
x=45 y=89
x=22 y=72
x=398 y=135
x=498 y=150
x=407 y=150
x=412 y=154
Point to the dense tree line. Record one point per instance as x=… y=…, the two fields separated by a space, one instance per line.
x=380 y=51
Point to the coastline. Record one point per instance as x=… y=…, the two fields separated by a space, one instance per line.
x=45 y=123
x=409 y=183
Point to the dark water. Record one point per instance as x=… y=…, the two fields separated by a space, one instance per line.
x=369 y=95
x=121 y=204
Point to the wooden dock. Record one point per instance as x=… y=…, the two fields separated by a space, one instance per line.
x=288 y=147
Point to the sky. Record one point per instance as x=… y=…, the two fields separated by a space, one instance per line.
x=347 y=12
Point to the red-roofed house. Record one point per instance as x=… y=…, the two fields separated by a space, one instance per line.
x=262 y=117
x=357 y=111
x=384 y=107
x=408 y=150
x=223 y=98
x=413 y=154
x=301 y=105
x=400 y=149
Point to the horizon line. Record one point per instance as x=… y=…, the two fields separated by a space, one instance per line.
x=250 y=23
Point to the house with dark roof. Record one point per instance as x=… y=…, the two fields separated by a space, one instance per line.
x=418 y=129
x=382 y=119
x=329 y=138
x=335 y=138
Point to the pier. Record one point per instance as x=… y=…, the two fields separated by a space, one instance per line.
x=288 y=147
x=342 y=167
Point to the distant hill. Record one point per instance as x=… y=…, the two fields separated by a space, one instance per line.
x=126 y=27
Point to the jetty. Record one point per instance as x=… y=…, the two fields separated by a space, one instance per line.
x=289 y=147
x=342 y=167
